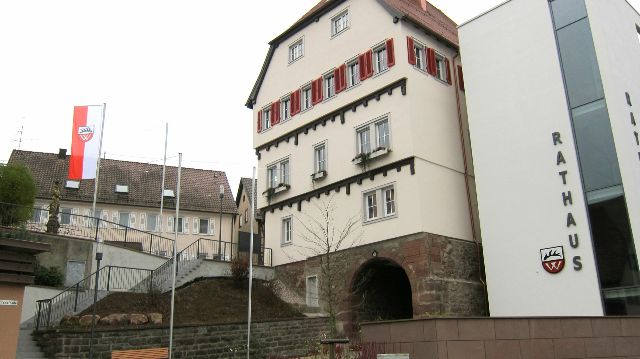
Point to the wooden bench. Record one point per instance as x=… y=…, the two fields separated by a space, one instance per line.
x=154 y=353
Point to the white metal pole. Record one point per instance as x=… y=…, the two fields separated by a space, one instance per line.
x=253 y=216
x=95 y=188
x=164 y=168
x=175 y=256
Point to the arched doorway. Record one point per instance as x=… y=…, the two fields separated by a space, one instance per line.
x=380 y=290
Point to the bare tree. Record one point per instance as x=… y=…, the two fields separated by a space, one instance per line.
x=321 y=235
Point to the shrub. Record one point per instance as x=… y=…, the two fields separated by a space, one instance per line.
x=17 y=194
x=51 y=277
x=239 y=270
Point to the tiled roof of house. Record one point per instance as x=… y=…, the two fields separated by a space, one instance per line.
x=199 y=188
x=432 y=20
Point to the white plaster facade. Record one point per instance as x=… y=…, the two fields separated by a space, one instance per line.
x=516 y=102
x=423 y=124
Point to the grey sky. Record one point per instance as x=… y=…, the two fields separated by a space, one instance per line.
x=189 y=63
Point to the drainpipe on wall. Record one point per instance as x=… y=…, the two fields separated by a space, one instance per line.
x=456 y=86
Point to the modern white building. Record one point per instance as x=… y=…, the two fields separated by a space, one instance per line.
x=361 y=103
x=553 y=89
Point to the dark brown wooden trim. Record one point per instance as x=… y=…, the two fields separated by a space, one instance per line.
x=326 y=190
x=322 y=120
x=24 y=246
x=16 y=267
x=16 y=257
x=16 y=278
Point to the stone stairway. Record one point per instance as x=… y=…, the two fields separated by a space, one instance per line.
x=27 y=347
x=188 y=273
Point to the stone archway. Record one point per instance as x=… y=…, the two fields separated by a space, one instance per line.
x=380 y=290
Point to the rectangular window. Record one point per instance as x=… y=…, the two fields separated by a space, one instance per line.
x=353 y=75
x=371 y=205
x=203 y=226
x=380 y=59
x=329 y=86
x=152 y=222
x=382 y=134
x=65 y=216
x=638 y=30
x=272 y=176
x=246 y=216
x=319 y=158
x=312 y=291
x=296 y=50
x=441 y=69
x=306 y=98
x=180 y=225
x=379 y=203
x=36 y=214
x=286 y=230
x=124 y=218
x=340 y=23
x=363 y=140
x=285 y=108
x=284 y=172
x=266 y=118
x=419 y=51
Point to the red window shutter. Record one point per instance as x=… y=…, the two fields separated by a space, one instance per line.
x=410 y=51
x=431 y=57
x=339 y=78
x=320 y=96
x=391 y=54
x=362 y=67
x=343 y=76
x=259 y=121
x=448 y=66
x=295 y=102
x=460 y=78
x=316 y=91
x=369 y=60
x=275 y=113
x=336 y=80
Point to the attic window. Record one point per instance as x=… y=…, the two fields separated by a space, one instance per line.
x=72 y=184
x=121 y=188
x=168 y=193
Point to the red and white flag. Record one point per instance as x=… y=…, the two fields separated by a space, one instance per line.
x=85 y=141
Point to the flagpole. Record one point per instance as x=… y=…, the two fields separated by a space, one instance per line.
x=175 y=257
x=253 y=215
x=95 y=189
x=164 y=167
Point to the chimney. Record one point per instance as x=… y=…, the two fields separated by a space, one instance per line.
x=62 y=153
x=423 y=4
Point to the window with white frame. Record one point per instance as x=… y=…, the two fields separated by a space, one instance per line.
x=286 y=231
x=379 y=131
x=152 y=222
x=340 y=23
x=278 y=173
x=441 y=67
x=306 y=98
x=285 y=108
x=65 y=215
x=203 y=226
x=353 y=73
x=329 y=85
x=320 y=157
x=180 y=225
x=296 y=50
x=379 y=203
x=246 y=216
x=124 y=218
x=266 y=118
x=36 y=215
x=380 y=59
x=420 y=56
x=312 y=291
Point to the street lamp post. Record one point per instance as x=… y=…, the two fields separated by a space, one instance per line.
x=220 y=223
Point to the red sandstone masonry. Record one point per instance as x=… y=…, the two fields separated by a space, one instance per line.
x=509 y=338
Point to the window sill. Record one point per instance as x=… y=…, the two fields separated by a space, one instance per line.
x=380 y=73
x=353 y=86
x=328 y=99
x=275 y=190
x=379 y=152
x=291 y=62
x=286 y=244
x=319 y=175
x=265 y=130
x=333 y=36
x=380 y=219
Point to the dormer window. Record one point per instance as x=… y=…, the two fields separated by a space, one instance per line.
x=296 y=50
x=121 y=188
x=340 y=23
x=71 y=184
x=168 y=193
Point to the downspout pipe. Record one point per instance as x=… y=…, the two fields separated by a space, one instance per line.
x=456 y=86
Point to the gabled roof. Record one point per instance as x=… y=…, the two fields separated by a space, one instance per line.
x=246 y=186
x=199 y=188
x=431 y=20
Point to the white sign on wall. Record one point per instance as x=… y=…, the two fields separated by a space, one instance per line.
x=8 y=302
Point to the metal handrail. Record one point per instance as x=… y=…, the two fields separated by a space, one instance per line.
x=81 y=226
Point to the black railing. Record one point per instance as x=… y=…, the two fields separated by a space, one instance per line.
x=80 y=226
x=80 y=295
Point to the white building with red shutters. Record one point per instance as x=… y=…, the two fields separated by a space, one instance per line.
x=361 y=104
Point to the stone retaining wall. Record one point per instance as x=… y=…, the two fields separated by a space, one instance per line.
x=268 y=339
x=503 y=338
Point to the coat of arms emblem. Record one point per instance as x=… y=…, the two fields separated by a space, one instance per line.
x=552 y=259
x=85 y=133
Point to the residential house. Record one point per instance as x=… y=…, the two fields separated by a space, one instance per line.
x=553 y=94
x=361 y=104
x=248 y=222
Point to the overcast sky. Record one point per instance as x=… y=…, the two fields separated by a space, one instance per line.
x=189 y=63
